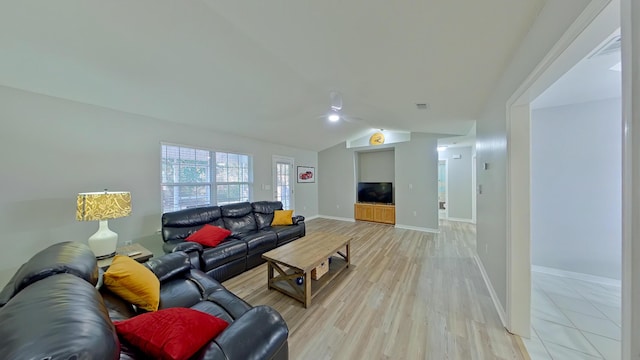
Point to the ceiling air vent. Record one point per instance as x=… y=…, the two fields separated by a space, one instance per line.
x=422 y=106
x=609 y=47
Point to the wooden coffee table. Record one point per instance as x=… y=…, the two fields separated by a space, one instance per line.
x=297 y=259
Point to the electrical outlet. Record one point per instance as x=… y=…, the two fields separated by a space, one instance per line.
x=415 y=213
x=128 y=242
x=337 y=206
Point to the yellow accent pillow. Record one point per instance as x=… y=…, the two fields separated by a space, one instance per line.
x=282 y=217
x=133 y=282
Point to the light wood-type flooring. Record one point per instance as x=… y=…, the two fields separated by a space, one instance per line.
x=408 y=295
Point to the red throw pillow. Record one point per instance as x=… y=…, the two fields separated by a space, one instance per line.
x=174 y=333
x=209 y=235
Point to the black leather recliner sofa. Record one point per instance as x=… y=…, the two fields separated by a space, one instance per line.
x=51 y=309
x=251 y=235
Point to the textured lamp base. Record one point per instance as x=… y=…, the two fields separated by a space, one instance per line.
x=104 y=242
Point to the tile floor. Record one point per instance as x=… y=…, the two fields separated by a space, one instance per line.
x=573 y=319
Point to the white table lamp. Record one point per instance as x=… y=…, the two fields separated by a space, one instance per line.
x=102 y=206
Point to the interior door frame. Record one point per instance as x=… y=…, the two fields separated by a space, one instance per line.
x=292 y=176
x=570 y=49
x=446 y=189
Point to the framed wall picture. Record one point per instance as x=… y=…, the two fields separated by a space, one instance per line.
x=306 y=174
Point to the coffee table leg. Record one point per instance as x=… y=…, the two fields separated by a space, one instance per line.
x=307 y=290
x=269 y=274
x=348 y=259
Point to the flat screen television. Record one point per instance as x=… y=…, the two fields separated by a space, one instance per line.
x=375 y=192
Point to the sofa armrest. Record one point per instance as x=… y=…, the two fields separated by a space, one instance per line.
x=297 y=219
x=179 y=245
x=261 y=333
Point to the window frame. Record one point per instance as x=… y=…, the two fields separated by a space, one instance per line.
x=212 y=183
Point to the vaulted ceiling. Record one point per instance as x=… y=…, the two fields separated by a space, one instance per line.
x=264 y=69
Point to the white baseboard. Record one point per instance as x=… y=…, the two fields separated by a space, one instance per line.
x=460 y=220
x=307 y=218
x=492 y=291
x=576 y=276
x=336 y=218
x=416 y=228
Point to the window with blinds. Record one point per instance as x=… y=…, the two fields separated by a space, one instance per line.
x=199 y=177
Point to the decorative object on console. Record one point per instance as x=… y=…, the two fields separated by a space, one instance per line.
x=102 y=206
x=376 y=139
x=306 y=174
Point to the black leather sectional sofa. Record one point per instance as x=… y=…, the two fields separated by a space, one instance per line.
x=251 y=235
x=51 y=309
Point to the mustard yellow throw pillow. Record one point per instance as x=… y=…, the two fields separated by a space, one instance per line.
x=133 y=282
x=282 y=217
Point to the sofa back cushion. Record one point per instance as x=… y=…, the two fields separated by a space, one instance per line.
x=178 y=225
x=169 y=266
x=239 y=218
x=59 y=317
x=263 y=212
x=65 y=257
x=176 y=287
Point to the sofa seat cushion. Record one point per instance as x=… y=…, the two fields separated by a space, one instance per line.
x=259 y=241
x=214 y=309
x=118 y=308
x=225 y=252
x=181 y=245
x=287 y=233
x=234 y=305
x=59 y=317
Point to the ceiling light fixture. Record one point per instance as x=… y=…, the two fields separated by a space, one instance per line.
x=334 y=116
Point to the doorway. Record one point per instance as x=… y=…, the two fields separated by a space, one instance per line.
x=591 y=28
x=443 y=203
x=283 y=181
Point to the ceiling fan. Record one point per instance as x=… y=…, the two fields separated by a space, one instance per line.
x=335 y=112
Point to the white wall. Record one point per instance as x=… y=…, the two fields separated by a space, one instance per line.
x=576 y=178
x=416 y=185
x=376 y=166
x=51 y=149
x=337 y=182
x=459 y=182
x=416 y=166
x=491 y=144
